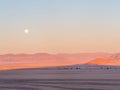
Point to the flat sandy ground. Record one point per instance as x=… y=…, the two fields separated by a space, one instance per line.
x=35 y=79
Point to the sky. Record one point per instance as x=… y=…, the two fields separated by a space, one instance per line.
x=59 y=26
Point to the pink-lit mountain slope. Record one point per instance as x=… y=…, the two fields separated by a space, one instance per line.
x=112 y=60
x=13 y=61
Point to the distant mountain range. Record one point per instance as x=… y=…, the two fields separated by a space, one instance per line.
x=13 y=61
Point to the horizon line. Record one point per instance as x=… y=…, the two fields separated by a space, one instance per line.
x=58 y=53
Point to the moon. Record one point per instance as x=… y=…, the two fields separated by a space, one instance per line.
x=26 y=31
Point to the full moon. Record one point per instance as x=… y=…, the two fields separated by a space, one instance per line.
x=26 y=31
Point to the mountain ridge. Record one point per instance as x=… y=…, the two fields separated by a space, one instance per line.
x=12 y=61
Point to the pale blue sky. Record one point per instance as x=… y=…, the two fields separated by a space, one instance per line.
x=59 y=26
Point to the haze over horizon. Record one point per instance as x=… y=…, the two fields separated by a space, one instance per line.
x=59 y=26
